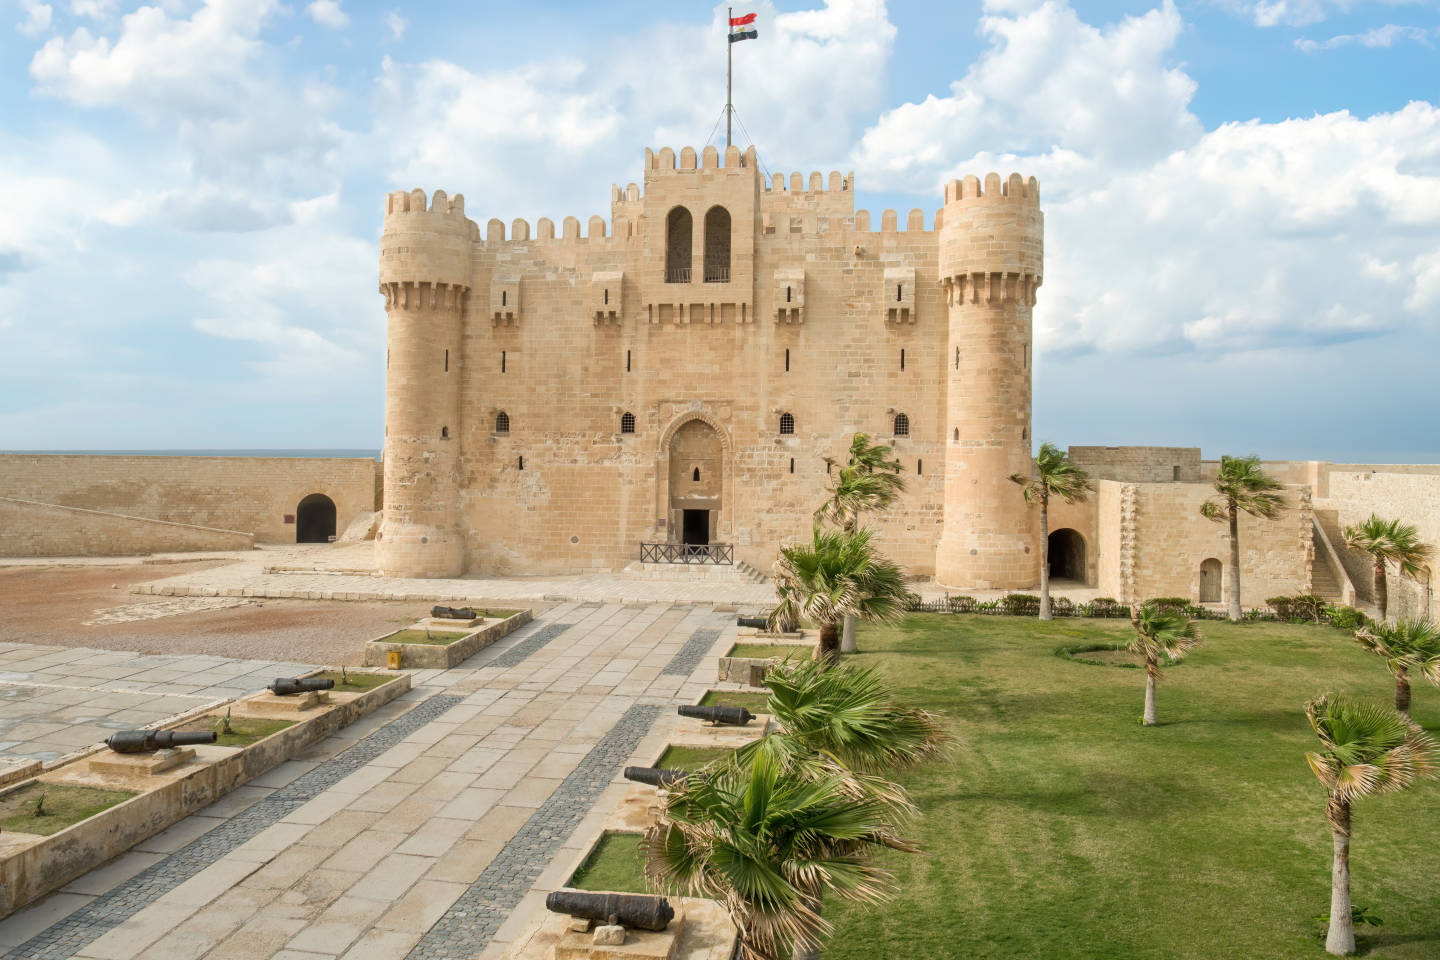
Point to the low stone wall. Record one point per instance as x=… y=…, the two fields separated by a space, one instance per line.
x=32 y=529
x=742 y=669
x=426 y=656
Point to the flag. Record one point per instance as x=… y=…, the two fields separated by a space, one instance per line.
x=738 y=31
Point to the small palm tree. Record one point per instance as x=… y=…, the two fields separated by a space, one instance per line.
x=1366 y=750
x=869 y=480
x=1160 y=635
x=1388 y=541
x=1055 y=476
x=1407 y=645
x=771 y=838
x=838 y=573
x=1242 y=486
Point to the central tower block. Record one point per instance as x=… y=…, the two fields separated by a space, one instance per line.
x=991 y=262
x=425 y=278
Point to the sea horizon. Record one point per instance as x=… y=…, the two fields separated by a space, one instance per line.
x=337 y=453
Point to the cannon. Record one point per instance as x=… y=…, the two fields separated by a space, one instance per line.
x=759 y=623
x=289 y=686
x=720 y=716
x=656 y=776
x=632 y=910
x=452 y=613
x=148 y=741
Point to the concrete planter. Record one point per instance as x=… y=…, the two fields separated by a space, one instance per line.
x=32 y=866
x=751 y=670
x=426 y=656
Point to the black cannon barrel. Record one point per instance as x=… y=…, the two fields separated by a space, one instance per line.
x=452 y=613
x=758 y=622
x=148 y=741
x=288 y=686
x=656 y=776
x=728 y=716
x=632 y=910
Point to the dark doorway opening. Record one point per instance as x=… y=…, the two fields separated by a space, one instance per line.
x=695 y=527
x=1067 y=556
x=315 y=519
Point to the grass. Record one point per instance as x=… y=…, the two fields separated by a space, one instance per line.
x=756 y=703
x=243 y=730
x=64 y=805
x=762 y=651
x=356 y=682
x=1061 y=828
x=614 y=865
x=678 y=757
x=434 y=638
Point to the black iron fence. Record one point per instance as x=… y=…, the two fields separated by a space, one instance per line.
x=702 y=553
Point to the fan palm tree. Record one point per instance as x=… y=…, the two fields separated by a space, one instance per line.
x=1388 y=541
x=869 y=480
x=838 y=573
x=1366 y=750
x=1407 y=645
x=1242 y=486
x=1054 y=476
x=771 y=838
x=1160 y=635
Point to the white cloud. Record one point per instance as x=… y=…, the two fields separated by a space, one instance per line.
x=396 y=23
x=1299 y=13
x=94 y=9
x=1385 y=36
x=327 y=13
x=37 y=18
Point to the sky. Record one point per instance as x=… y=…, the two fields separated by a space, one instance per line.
x=1242 y=197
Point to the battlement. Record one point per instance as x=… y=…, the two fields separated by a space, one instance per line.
x=890 y=222
x=443 y=212
x=663 y=161
x=994 y=190
x=596 y=229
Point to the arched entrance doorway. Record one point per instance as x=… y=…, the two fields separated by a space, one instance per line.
x=1067 y=555
x=1210 y=581
x=697 y=459
x=315 y=519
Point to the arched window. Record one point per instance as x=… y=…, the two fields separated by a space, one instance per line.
x=787 y=423
x=957 y=435
x=717 y=245
x=444 y=433
x=902 y=425
x=627 y=423
x=502 y=422
x=677 y=246
x=696 y=475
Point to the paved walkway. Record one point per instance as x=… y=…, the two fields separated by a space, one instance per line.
x=432 y=828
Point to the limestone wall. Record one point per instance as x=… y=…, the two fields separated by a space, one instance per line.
x=1413 y=497
x=248 y=494
x=30 y=529
x=1108 y=498
x=1140 y=464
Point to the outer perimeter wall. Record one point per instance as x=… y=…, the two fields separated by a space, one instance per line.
x=252 y=495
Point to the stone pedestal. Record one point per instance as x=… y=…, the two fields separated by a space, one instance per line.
x=111 y=764
x=270 y=705
x=603 y=944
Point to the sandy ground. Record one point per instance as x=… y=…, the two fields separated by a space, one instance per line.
x=49 y=605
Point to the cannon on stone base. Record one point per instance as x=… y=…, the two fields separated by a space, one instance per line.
x=633 y=910
x=720 y=716
x=452 y=613
x=289 y=686
x=148 y=741
x=759 y=623
x=656 y=776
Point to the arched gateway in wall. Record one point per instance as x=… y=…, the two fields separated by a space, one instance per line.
x=315 y=519
x=695 y=492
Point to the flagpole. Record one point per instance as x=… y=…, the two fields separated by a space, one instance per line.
x=729 y=55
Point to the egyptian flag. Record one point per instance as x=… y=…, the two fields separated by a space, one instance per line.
x=743 y=28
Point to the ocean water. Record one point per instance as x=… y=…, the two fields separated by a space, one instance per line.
x=347 y=453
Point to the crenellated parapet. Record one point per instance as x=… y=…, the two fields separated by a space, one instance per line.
x=992 y=247
x=425 y=243
x=664 y=160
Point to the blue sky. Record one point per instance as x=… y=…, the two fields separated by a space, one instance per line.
x=1242 y=198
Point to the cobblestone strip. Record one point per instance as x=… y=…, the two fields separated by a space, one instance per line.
x=684 y=663
x=104 y=913
x=467 y=927
x=529 y=645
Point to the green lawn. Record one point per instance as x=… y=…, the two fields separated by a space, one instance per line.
x=435 y=638
x=1061 y=828
x=679 y=757
x=756 y=703
x=614 y=865
x=62 y=804
x=761 y=651
x=243 y=730
x=352 y=681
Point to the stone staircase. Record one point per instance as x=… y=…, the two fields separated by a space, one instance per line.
x=738 y=572
x=1329 y=577
x=1322 y=581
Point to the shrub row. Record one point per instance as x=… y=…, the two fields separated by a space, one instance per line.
x=1301 y=609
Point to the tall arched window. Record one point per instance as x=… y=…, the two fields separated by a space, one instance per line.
x=787 y=423
x=502 y=422
x=627 y=423
x=677 y=246
x=717 y=245
x=902 y=425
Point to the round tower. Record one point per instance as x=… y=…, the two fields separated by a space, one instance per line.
x=425 y=278
x=991 y=258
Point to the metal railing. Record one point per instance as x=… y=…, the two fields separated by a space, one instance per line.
x=677 y=274
x=702 y=553
x=717 y=273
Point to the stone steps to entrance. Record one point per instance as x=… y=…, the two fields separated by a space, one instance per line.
x=740 y=572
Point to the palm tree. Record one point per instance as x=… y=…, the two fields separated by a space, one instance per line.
x=771 y=837
x=1242 y=485
x=1367 y=750
x=838 y=573
x=869 y=480
x=1160 y=635
x=1408 y=645
x=1388 y=541
x=1055 y=476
